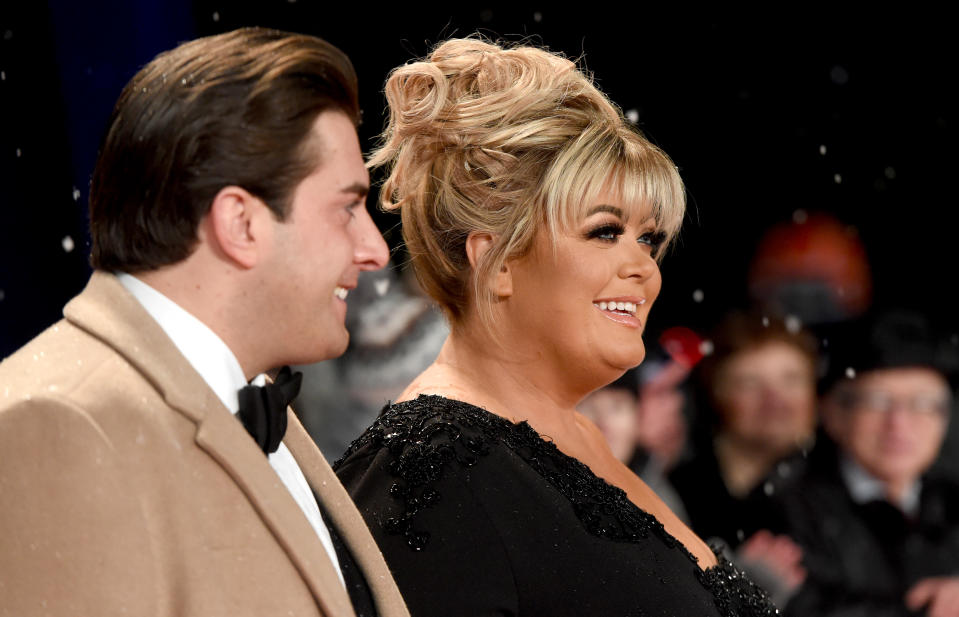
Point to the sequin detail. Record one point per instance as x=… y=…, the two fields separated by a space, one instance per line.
x=428 y=435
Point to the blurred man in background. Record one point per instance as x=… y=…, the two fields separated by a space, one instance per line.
x=878 y=527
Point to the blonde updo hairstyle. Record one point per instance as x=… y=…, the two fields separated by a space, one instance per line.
x=505 y=141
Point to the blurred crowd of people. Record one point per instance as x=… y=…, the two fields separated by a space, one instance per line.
x=817 y=469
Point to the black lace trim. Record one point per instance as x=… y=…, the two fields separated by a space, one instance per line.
x=427 y=435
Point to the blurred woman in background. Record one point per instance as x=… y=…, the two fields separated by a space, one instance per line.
x=758 y=407
x=620 y=411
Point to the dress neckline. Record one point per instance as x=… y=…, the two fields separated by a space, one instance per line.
x=550 y=446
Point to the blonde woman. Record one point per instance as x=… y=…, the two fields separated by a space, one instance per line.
x=535 y=217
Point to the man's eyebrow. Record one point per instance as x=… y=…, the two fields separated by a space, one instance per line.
x=358 y=188
x=605 y=208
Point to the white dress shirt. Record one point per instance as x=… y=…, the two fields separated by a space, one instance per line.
x=864 y=487
x=220 y=369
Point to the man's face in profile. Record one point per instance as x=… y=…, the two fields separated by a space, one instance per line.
x=318 y=251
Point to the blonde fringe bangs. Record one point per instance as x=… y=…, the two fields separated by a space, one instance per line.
x=620 y=162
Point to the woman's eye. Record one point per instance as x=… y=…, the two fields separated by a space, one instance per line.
x=655 y=240
x=608 y=233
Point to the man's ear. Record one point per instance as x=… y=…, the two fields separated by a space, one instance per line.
x=477 y=244
x=238 y=226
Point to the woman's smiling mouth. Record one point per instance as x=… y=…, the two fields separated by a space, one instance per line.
x=621 y=311
x=619 y=307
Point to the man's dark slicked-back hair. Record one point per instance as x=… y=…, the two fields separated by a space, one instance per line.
x=231 y=109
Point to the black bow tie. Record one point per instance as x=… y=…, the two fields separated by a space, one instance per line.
x=263 y=408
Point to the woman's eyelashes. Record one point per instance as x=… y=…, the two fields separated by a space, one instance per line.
x=607 y=232
x=611 y=232
x=655 y=240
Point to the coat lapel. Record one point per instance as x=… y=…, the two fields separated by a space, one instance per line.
x=346 y=518
x=227 y=441
x=107 y=311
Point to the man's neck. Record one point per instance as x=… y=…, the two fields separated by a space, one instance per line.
x=209 y=297
x=206 y=352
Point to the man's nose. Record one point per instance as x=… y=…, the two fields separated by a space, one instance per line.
x=372 y=253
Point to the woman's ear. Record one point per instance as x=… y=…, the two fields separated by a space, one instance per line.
x=477 y=244
x=238 y=225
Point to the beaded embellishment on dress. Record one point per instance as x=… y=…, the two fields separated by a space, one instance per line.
x=428 y=435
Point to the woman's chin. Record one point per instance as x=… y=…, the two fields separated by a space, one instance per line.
x=629 y=360
x=618 y=365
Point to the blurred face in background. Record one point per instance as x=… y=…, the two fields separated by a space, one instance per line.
x=766 y=397
x=891 y=421
x=613 y=411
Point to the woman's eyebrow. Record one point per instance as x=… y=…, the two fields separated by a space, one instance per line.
x=605 y=208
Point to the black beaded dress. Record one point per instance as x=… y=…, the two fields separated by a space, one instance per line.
x=478 y=516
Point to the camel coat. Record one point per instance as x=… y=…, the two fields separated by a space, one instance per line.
x=127 y=488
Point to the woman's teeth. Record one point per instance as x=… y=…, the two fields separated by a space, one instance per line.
x=340 y=292
x=621 y=307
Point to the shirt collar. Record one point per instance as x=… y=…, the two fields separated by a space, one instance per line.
x=864 y=487
x=204 y=350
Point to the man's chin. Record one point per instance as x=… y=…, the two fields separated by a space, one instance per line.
x=328 y=348
x=342 y=349
x=336 y=348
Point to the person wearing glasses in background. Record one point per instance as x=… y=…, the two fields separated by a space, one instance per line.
x=879 y=528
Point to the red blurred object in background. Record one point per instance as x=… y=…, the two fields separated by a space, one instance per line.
x=683 y=345
x=814 y=267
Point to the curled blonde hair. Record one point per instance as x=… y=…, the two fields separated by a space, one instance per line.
x=505 y=141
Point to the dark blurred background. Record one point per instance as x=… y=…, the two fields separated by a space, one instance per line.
x=770 y=116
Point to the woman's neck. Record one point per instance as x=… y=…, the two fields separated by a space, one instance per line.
x=511 y=383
